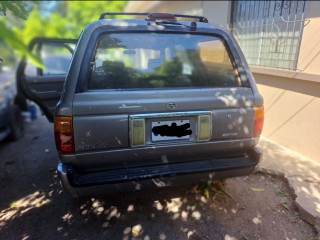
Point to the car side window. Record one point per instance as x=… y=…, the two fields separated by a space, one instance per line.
x=55 y=57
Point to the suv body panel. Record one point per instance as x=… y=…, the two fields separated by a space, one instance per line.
x=101 y=120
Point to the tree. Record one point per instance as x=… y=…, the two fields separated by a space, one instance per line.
x=65 y=19
x=19 y=9
x=59 y=19
x=8 y=37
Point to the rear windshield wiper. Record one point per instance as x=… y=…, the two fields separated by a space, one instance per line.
x=192 y=26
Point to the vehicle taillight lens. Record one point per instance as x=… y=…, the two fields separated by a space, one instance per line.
x=63 y=132
x=258 y=121
x=204 y=127
x=137 y=132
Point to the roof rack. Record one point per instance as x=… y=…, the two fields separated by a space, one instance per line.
x=103 y=15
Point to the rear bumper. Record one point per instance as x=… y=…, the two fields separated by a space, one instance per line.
x=96 y=183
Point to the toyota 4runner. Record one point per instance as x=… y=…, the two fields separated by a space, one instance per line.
x=164 y=100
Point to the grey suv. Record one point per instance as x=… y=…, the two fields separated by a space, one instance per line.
x=153 y=102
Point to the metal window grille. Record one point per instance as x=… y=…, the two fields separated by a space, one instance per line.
x=269 y=32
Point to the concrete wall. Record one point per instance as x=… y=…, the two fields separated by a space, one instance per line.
x=309 y=56
x=216 y=11
x=292 y=113
x=292 y=98
x=191 y=7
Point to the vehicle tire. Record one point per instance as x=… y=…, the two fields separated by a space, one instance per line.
x=16 y=123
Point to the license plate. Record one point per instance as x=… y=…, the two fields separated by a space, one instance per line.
x=170 y=130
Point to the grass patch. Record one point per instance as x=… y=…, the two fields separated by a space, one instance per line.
x=281 y=193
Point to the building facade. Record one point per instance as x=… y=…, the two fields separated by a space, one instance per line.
x=281 y=42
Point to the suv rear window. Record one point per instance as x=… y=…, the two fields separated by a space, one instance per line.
x=160 y=60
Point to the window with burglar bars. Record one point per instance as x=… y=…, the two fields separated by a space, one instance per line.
x=269 y=32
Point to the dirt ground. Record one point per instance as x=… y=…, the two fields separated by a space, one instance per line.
x=34 y=206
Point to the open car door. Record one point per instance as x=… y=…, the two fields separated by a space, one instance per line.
x=44 y=86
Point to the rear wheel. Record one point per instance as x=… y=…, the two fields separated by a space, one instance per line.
x=16 y=124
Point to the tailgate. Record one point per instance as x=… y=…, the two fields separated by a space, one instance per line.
x=155 y=98
x=126 y=121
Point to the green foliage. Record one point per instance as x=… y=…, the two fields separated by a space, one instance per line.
x=281 y=193
x=58 y=19
x=66 y=19
x=17 y=8
x=7 y=54
x=10 y=38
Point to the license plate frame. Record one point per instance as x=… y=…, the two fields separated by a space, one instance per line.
x=178 y=122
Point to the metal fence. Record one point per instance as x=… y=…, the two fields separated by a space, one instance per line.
x=269 y=32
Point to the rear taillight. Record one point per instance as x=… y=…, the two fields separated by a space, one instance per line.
x=63 y=132
x=204 y=128
x=137 y=132
x=258 y=121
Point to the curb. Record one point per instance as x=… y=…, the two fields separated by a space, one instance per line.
x=306 y=215
x=302 y=175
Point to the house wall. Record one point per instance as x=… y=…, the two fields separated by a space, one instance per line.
x=309 y=56
x=292 y=112
x=292 y=98
x=215 y=11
